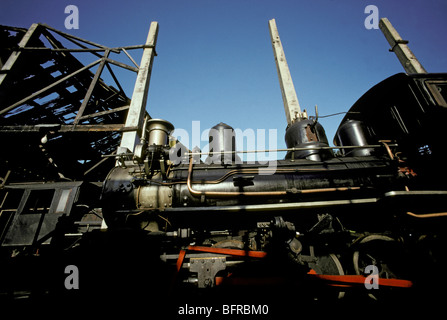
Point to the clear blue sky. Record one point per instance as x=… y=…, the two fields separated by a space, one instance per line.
x=215 y=61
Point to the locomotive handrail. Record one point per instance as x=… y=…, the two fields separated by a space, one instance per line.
x=290 y=149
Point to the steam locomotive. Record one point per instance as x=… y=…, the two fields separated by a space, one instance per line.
x=333 y=213
x=325 y=223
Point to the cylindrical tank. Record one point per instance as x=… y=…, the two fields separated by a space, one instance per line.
x=159 y=131
x=222 y=138
x=353 y=133
x=307 y=134
x=127 y=197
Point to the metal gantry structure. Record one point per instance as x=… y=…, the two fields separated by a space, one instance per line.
x=58 y=118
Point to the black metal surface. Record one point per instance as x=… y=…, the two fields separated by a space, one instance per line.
x=403 y=109
x=222 y=139
x=367 y=176
x=353 y=133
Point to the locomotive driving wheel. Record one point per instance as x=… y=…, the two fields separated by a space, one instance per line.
x=377 y=255
x=329 y=265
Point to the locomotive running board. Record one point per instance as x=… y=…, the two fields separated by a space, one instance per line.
x=391 y=195
x=275 y=206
